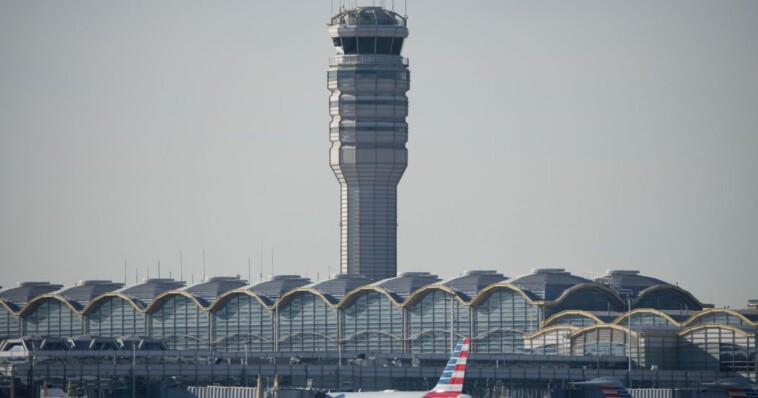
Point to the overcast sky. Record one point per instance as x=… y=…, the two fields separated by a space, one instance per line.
x=586 y=135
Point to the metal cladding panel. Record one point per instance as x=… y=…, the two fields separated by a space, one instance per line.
x=680 y=315
x=469 y=284
x=632 y=280
x=273 y=289
x=338 y=287
x=548 y=285
x=18 y=296
x=750 y=313
x=210 y=289
x=144 y=293
x=83 y=293
x=405 y=284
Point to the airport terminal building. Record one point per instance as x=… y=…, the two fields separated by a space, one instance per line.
x=543 y=328
x=548 y=312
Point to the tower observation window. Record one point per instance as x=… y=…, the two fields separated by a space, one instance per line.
x=383 y=45
x=397 y=45
x=349 y=45
x=369 y=45
x=366 y=45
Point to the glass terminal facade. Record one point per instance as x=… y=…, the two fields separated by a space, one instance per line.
x=547 y=312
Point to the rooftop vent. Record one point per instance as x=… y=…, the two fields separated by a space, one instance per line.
x=414 y=274
x=480 y=272
x=93 y=282
x=157 y=280
x=549 y=271
x=752 y=303
x=223 y=279
x=28 y=284
x=348 y=276
x=621 y=272
x=284 y=277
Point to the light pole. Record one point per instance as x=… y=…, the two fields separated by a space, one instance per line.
x=244 y=366
x=629 y=334
x=451 y=300
x=134 y=367
x=13 y=381
x=628 y=294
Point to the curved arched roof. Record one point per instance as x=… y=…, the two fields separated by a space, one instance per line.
x=548 y=284
x=629 y=279
x=420 y=293
x=338 y=287
x=139 y=296
x=555 y=317
x=144 y=293
x=544 y=287
x=268 y=293
x=750 y=313
x=274 y=288
x=745 y=332
x=84 y=291
x=470 y=283
x=76 y=297
x=567 y=328
x=622 y=319
x=403 y=285
x=208 y=290
x=586 y=286
x=590 y=328
x=204 y=294
x=349 y=298
x=368 y=16
x=746 y=315
x=694 y=303
x=16 y=298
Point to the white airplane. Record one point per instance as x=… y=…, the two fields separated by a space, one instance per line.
x=736 y=388
x=450 y=384
x=610 y=386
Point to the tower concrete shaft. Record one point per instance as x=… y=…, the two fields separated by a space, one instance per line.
x=368 y=80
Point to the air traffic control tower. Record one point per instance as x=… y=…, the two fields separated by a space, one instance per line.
x=368 y=79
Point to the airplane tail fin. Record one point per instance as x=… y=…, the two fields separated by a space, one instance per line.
x=450 y=384
x=736 y=388
x=610 y=386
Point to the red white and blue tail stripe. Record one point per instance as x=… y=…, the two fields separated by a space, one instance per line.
x=451 y=381
x=610 y=386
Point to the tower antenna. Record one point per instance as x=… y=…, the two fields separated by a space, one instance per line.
x=249 y=267
x=260 y=277
x=272 y=260
x=203 y=264
x=124 y=273
x=181 y=267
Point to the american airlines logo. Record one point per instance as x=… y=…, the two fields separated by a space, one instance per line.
x=450 y=384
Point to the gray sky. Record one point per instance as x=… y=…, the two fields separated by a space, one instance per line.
x=588 y=135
